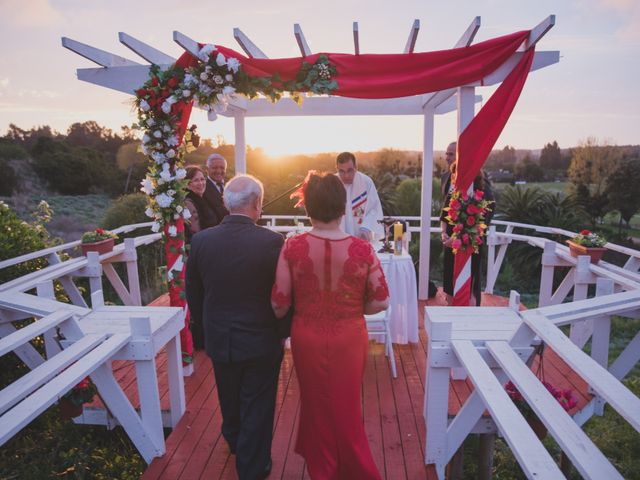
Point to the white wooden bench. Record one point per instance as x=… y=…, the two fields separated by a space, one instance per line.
x=29 y=396
x=493 y=346
x=91 y=342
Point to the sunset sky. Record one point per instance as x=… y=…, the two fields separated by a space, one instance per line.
x=593 y=91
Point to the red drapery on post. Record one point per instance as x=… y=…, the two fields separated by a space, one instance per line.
x=474 y=145
x=398 y=75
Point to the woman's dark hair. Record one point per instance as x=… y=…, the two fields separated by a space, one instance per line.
x=192 y=170
x=324 y=197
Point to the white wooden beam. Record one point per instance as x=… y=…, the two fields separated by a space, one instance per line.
x=540 y=60
x=101 y=57
x=247 y=45
x=356 y=39
x=469 y=34
x=539 y=31
x=436 y=98
x=187 y=43
x=147 y=52
x=302 y=42
x=413 y=36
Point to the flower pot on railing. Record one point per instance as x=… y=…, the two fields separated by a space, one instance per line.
x=595 y=253
x=103 y=246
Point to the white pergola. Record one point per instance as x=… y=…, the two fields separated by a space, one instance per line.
x=124 y=75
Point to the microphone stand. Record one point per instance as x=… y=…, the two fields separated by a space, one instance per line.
x=280 y=196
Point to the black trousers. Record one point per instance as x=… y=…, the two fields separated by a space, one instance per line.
x=476 y=273
x=247 y=394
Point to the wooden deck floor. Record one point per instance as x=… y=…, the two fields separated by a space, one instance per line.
x=392 y=415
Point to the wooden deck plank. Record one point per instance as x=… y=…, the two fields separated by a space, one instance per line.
x=371 y=411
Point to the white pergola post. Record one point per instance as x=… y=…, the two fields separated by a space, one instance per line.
x=425 y=209
x=240 y=148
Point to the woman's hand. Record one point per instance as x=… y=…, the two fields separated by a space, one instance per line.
x=446 y=240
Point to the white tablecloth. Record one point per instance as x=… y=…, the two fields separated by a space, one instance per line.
x=401 y=278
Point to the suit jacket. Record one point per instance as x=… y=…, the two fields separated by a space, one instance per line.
x=213 y=197
x=229 y=277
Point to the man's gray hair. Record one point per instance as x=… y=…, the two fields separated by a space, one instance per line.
x=215 y=156
x=241 y=191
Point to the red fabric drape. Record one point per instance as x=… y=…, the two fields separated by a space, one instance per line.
x=396 y=75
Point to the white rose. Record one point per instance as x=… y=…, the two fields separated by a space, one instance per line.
x=155 y=227
x=220 y=60
x=151 y=122
x=205 y=52
x=179 y=208
x=204 y=76
x=149 y=212
x=163 y=200
x=171 y=192
x=145 y=150
x=157 y=134
x=186 y=214
x=233 y=64
x=172 y=231
x=228 y=77
x=146 y=138
x=144 y=106
x=166 y=107
x=172 y=99
x=165 y=175
x=189 y=79
x=186 y=93
x=180 y=174
x=158 y=157
x=172 y=141
x=228 y=90
x=171 y=153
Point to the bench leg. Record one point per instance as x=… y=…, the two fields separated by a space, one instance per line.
x=175 y=380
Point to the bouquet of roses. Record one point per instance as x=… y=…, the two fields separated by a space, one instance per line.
x=467 y=214
x=565 y=398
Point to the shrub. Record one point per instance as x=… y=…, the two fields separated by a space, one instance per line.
x=8 y=179
x=11 y=151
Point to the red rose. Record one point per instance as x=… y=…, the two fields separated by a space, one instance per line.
x=454 y=204
x=479 y=241
x=478 y=195
x=154 y=81
x=465 y=239
x=453 y=214
x=585 y=232
x=173 y=82
x=471 y=221
x=457 y=228
x=99 y=231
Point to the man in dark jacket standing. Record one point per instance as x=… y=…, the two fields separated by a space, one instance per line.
x=230 y=273
x=216 y=172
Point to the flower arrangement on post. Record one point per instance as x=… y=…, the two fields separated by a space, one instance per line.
x=467 y=214
x=98 y=240
x=588 y=243
x=71 y=403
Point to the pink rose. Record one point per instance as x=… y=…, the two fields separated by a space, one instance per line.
x=471 y=221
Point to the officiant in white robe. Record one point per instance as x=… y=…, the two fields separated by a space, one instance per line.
x=363 y=208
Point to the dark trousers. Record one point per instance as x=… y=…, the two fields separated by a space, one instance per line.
x=476 y=273
x=247 y=394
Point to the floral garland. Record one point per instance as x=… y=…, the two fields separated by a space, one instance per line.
x=467 y=214
x=211 y=83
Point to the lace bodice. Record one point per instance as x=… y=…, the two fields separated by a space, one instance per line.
x=328 y=279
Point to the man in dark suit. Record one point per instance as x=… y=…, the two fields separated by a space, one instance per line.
x=229 y=277
x=216 y=171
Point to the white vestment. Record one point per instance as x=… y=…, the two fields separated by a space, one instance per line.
x=363 y=209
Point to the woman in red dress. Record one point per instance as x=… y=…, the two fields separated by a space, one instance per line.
x=332 y=279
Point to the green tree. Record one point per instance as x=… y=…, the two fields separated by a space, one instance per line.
x=386 y=185
x=591 y=165
x=529 y=170
x=622 y=190
x=408 y=197
x=551 y=157
x=502 y=159
x=8 y=179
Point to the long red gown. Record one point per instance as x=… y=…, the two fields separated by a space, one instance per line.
x=330 y=281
